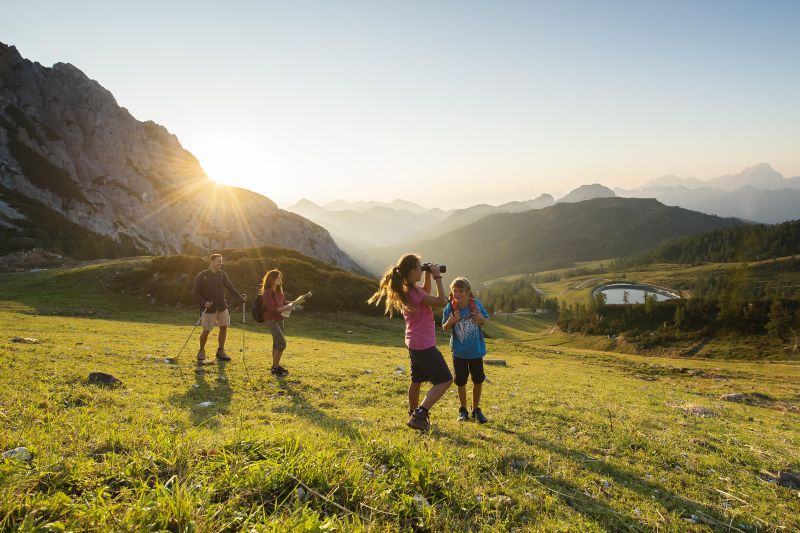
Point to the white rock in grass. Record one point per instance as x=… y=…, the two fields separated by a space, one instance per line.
x=25 y=340
x=421 y=500
x=21 y=454
x=205 y=404
x=605 y=483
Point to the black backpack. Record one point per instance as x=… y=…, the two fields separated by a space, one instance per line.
x=257 y=308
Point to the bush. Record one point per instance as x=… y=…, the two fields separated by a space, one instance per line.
x=170 y=279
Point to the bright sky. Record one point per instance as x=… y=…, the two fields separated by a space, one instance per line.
x=444 y=103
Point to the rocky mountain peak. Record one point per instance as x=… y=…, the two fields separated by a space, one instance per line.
x=588 y=192
x=67 y=144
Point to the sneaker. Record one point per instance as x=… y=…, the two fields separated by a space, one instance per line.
x=420 y=420
x=222 y=356
x=278 y=371
x=478 y=415
x=463 y=414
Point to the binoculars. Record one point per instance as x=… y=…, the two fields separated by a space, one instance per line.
x=426 y=267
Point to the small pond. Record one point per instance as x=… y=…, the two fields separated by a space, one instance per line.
x=634 y=293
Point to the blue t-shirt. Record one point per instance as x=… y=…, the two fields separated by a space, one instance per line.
x=466 y=337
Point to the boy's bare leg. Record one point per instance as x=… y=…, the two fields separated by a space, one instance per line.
x=413 y=395
x=462 y=396
x=435 y=393
x=476 y=395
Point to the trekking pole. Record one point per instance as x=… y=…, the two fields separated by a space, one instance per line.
x=244 y=362
x=178 y=363
x=192 y=333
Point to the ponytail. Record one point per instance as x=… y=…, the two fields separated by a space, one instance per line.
x=394 y=286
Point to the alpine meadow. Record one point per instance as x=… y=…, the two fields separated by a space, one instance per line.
x=368 y=267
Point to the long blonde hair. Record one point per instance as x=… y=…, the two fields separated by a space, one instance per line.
x=394 y=285
x=269 y=280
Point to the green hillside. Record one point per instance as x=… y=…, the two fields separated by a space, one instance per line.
x=728 y=311
x=755 y=242
x=166 y=281
x=560 y=235
x=576 y=441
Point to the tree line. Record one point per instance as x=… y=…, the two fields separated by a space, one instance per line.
x=509 y=296
x=656 y=321
x=755 y=242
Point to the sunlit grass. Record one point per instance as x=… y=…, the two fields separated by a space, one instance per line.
x=577 y=439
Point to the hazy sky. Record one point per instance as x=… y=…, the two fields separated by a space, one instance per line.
x=445 y=103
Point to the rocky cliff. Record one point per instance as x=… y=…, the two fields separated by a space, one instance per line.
x=66 y=144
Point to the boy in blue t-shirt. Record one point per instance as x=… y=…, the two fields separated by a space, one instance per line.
x=463 y=317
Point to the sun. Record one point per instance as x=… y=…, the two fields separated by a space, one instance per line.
x=239 y=158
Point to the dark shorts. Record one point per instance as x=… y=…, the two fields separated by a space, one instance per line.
x=467 y=367
x=428 y=365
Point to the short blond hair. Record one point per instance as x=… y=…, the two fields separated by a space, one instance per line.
x=462 y=283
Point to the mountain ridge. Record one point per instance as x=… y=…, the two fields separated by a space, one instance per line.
x=66 y=143
x=557 y=236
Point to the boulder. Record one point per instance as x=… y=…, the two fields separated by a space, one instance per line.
x=20 y=454
x=103 y=379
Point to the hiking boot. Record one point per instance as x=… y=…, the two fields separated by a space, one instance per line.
x=420 y=420
x=279 y=371
x=477 y=414
x=222 y=356
x=201 y=357
x=463 y=414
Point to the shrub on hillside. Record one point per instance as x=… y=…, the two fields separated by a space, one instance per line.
x=169 y=279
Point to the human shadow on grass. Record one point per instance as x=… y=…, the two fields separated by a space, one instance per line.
x=647 y=489
x=598 y=512
x=219 y=394
x=358 y=329
x=300 y=406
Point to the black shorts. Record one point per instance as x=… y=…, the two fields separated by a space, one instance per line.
x=466 y=367
x=429 y=365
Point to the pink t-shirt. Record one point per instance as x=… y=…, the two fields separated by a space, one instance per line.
x=420 y=328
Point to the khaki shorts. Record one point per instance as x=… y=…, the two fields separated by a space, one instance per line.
x=220 y=318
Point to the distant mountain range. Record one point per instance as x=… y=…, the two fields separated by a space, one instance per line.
x=757 y=194
x=557 y=236
x=359 y=227
x=79 y=175
x=760 y=176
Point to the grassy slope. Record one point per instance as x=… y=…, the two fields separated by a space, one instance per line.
x=578 y=289
x=577 y=440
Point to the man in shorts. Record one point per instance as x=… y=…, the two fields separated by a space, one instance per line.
x=209 y=291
